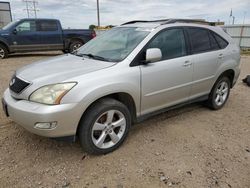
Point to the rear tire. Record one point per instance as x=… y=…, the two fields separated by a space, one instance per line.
x=104 y=127
x=219 y=94
x=3 y=52
x=74 y=45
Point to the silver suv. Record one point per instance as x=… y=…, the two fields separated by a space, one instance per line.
x=123 y=76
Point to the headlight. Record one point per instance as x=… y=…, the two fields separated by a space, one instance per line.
x=51 y=94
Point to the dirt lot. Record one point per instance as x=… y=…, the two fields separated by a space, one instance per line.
x=188 y=147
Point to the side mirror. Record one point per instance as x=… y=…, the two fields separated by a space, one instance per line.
x=153 y=55
x=14 y=31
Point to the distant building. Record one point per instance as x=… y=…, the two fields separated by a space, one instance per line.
x=5 y=14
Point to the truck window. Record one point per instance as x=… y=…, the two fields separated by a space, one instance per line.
x=47 y=26
x=26 y=26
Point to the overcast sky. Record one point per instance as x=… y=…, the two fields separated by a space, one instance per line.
x=82 y=13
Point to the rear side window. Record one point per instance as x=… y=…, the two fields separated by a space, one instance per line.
x=213 y=43
x=171 y=43
x=199 y=39
x=47 y=26
x=222 y=42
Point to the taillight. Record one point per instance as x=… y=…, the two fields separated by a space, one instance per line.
x=93 y=34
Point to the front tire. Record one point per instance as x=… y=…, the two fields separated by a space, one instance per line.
x=3 y=52
x=104 y=127
x=219 y=94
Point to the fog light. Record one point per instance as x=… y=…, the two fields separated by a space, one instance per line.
x=45 y=125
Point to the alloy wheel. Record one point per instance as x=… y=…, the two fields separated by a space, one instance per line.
x=221 y=93
x=108 y=129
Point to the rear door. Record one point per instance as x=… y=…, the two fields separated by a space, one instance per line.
x=50 y=35
x=206 y=55
x=25 y=37
x=168 y=81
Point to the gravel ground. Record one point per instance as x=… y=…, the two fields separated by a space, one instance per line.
x=188 y=147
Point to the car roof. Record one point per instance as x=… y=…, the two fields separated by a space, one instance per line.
x=166 y=23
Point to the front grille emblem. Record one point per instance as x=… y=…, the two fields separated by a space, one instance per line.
x=13 y=80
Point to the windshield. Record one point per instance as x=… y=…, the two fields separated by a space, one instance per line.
x=114 y=45
x=9 y=25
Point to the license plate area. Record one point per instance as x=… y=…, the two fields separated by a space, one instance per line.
x=5 y=108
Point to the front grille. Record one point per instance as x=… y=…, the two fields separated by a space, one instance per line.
x=17 y=85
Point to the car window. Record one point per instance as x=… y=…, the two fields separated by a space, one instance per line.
x=26 y=26
x=199 y=39
x=223 y=43
x=115 y=44
x=213 y=43
x=171 y=43
x=47 y=26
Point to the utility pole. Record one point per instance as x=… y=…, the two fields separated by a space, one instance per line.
x=31 y=8
x=98 y=13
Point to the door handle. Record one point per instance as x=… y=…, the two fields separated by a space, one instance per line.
x=187 y=63
x=220 y=56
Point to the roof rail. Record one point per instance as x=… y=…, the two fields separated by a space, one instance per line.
x=169 y=21
x=198 y=21
x=144 y=21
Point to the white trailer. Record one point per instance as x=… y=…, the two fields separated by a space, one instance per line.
x=240 y=34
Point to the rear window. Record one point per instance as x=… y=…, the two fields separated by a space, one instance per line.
x=47 y=26
x=199 y=39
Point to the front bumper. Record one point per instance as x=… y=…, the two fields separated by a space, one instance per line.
x=27 y=114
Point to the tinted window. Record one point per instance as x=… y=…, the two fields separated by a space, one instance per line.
x=47 y=26
x=26 y=26
x=199 y=39
x=213 y=43
x=170 y=42
x=221 y=41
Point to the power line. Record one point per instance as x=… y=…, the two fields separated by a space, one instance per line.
x=31 y=8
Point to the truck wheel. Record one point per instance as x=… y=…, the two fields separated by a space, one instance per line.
x=104 y=127
x=3 y=52
x=219 y=94
x=75 y=45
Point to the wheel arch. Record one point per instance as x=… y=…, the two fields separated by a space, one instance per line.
x=122 y=97
x=228 y=73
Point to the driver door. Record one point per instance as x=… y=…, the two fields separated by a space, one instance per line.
x=25 y=37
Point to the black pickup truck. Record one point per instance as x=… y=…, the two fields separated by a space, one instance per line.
x=28 y=35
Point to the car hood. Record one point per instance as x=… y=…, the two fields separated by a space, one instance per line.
x=60 y=68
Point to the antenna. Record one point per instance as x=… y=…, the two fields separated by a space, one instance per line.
x=31 y=8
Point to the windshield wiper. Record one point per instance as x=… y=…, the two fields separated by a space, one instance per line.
x=95 y=57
